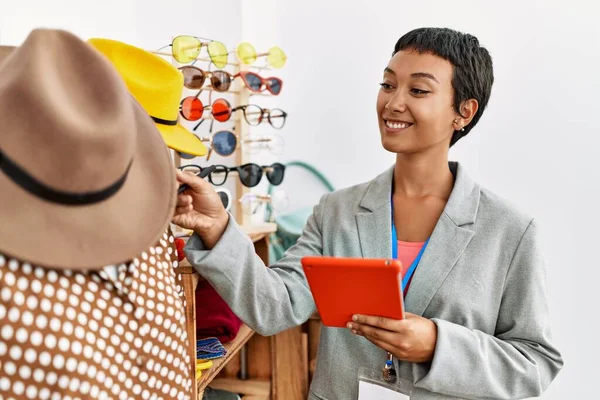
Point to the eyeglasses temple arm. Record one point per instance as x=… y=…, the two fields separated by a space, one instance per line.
x=198 y=124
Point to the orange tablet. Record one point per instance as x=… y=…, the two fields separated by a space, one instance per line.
x=343 y=287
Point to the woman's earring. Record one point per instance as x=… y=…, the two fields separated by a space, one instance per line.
x=462 y=128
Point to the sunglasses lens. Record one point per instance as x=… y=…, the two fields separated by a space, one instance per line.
x=221 y=110
x=279 y=200
x=246 y=53
x=274 y=85
x=186 y=48
x=277 y=118
x=192 y=108
x=276 y=145
x=250 y=146
x=253 y=81
x=224 y=199
x=218 y=54
x=253 y=114
x=224 y=143
x=193 y=78
x=250 y=203
x=275 y=173
x=276 y=57
x=250 y=174
x=221 y=81
x=218 y=176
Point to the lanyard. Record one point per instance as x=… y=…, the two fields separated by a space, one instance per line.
x=415 y=263
x=388 y=372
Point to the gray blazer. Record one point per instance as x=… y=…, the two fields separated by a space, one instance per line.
x=482 y=280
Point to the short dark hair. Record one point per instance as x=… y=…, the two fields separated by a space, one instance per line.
x=473 y=71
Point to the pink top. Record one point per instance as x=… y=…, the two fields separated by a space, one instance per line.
x=407 y=252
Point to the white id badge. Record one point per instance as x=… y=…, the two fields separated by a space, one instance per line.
x=372 y=386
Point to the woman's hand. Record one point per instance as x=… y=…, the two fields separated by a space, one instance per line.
x=200 y=208
x=412 y=339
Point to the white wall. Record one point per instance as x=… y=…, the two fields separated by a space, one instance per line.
x=536 y=144
x=145 y=23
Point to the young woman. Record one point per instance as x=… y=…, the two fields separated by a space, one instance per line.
x=478 y=323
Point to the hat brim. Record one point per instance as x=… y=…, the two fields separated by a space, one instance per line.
x=105 y=233
x=6 y=51
x=180 y=139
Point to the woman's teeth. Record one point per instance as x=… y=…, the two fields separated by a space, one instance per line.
x=397 y=125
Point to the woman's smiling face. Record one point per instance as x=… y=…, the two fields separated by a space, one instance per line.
x=415 y=103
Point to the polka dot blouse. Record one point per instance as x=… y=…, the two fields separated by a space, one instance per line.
x=115 y=333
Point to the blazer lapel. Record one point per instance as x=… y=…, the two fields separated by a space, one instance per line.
x=446 y=245
x=450 y=238
x=374 y=224
x=374 y=233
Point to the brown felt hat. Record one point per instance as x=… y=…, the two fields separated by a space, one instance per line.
x=85 y=177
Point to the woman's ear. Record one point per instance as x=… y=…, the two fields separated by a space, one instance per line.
x=468 y=109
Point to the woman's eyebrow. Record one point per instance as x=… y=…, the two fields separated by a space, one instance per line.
x=426 y=75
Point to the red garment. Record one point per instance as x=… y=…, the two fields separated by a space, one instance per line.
x=180 y=244
x=407 y=253
x=213 y=315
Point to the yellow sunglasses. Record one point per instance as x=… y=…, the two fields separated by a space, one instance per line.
x=187 y=48
x=247 y=54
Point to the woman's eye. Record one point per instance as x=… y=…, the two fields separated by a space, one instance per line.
x=386 y=86
x=418 y=91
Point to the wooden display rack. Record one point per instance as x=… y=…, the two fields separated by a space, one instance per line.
x=277 y=365
x=257 y=367
x=233 y=347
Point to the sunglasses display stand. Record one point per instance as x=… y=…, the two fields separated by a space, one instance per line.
x=268 y=368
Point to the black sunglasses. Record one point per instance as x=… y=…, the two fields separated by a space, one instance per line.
x=250 y=174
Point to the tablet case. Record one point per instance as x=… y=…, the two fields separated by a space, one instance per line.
x=343 y=287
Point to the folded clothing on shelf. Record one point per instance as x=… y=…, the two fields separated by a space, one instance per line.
x=218 y=394
x=209 y=349
x=202 y=365
x=213 y=315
